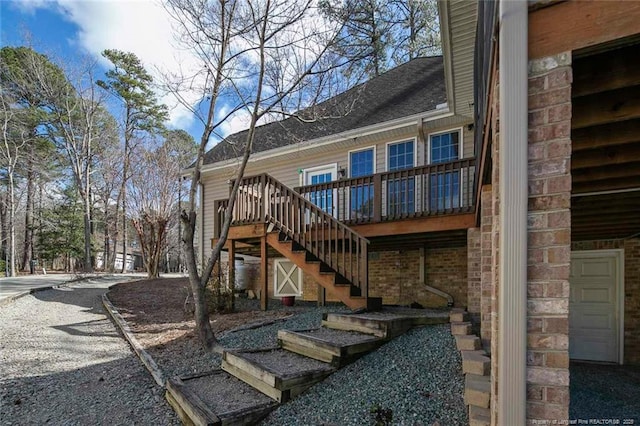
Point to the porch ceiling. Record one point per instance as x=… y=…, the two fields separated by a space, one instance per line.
x=605 y=133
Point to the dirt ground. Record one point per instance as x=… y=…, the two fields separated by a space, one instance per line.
x=155 y=312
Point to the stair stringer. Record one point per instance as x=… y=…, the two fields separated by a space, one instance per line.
x=326 y=280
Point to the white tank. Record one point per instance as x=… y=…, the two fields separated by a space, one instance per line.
x=242 y=275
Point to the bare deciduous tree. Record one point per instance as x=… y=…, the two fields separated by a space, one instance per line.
x=246 y=50
x=76 y=122
x=155 y=182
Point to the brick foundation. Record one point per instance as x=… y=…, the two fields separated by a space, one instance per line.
x=474 y=272
x=397 y=276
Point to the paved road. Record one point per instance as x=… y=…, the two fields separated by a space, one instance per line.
x=16 y=285
x=63 y=362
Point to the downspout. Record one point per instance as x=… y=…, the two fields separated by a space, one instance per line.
x=512 y=299
x=423 y=279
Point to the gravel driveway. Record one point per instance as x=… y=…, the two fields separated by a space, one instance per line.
x=62 y=362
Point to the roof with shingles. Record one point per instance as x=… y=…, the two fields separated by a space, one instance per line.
x=412 y=88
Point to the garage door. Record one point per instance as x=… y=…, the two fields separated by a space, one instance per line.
x=593 y=306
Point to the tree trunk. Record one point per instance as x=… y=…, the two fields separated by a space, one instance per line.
x=201 y=314
x=12 y=227
x=27 y=254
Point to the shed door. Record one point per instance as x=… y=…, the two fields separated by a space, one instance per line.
x=593 y=306
x=287 y=278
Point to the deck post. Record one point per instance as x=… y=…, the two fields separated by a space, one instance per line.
x=322 y=296
x=264 y=274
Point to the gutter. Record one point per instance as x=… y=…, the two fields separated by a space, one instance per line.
x=512 y=298
x=421 y=118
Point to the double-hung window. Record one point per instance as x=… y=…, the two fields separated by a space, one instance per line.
x=400 y=189
x=361 y=195
x=445 y=185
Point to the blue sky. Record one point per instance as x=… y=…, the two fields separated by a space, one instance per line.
x=72 y=29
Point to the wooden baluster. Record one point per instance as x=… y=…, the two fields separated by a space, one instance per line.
x=377 y=198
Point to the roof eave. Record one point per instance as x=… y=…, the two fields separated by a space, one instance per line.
x=326 y=140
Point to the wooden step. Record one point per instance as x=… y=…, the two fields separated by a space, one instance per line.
x=479 y=416
x=477 y=390
x=277 y=373
x=336 y=347
x=475 y=362
x=379 y=324
x=217 y=398
x=460 y=328
x=458 y=315
x=468 y=342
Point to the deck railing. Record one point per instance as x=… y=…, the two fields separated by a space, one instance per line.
x=437 y=189
x=263 y=199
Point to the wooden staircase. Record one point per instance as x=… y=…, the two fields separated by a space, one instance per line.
x=251 y=383
x=314 y=240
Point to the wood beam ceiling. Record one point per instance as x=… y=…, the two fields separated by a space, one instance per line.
x=605 y=139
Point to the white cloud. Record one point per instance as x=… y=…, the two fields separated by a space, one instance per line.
x=139 y=26
x=145 y=28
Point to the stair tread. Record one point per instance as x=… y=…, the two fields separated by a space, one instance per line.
x=217 y=395
x=332 y=337
x=281 y=363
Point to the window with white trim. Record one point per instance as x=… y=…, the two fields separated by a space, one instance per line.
x=401 y=191
x=444 y=188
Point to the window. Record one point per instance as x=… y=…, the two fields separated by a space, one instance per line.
x=400 y=191
x=444 y=188
x=400 y=156
x=445 y=147
x=361 y=164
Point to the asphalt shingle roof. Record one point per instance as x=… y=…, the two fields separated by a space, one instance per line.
x=414 y=87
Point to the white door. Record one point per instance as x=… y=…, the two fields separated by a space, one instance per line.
x=325 y=199
x=594 y=324
x=287 y=278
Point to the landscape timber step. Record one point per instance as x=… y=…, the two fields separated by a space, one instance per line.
x=479 y=416
x=458 y=315
x=336 y=347
x=475 y=362
x=477 y=390
x=278 y=373
x=460 y=328
x=467 y=342
x=387 y=323
x=217 y=398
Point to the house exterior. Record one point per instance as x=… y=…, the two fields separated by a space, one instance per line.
x=378 y=187
x=558 y=231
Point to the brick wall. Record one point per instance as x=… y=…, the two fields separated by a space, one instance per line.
x=549 y=238
x=399 y=276
x=486 y=268
x=631 y=290
x=446 y=270
x=474 y=274
x=632 y=301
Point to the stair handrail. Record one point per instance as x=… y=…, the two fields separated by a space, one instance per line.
x=262 y=198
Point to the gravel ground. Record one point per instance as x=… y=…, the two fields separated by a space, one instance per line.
x=62 y=362
x=605 y=392
x=417 y=376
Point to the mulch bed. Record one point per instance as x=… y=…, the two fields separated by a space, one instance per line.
x=155 y=312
